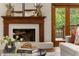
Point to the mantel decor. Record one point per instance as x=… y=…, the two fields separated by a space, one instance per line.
x=36 y=11
x=25 y=20
x=9 y=9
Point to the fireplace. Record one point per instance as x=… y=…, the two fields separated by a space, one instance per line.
x=25 y=29
x=24 y=35
x=11 y=24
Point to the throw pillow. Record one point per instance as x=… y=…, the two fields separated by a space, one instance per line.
x=77 y=36
x=77 y=42
x=73 y=33
x=67 y=39
x=72 y=38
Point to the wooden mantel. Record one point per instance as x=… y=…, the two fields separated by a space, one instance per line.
x=24 y=20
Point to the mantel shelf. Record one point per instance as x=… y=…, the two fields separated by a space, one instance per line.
x=21 y=17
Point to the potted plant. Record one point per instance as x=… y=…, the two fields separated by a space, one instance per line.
x=10 y=46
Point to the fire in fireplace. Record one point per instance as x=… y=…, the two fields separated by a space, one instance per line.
x=24 y=34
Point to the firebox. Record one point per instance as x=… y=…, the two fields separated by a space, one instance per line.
x=24 y=34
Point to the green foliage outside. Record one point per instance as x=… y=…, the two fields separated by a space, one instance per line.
x=60 y=17
x=74 y=16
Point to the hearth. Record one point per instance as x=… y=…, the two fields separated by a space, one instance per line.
x=24 y=34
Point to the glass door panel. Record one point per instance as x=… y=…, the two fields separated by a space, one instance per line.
x=60 y=14
x=74 y=17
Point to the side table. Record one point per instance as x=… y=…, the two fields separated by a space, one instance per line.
x=57 y=42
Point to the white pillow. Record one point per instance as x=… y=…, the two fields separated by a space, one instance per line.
x=77 y=36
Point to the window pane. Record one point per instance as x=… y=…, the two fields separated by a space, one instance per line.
x=60 y=22
x=74 y=17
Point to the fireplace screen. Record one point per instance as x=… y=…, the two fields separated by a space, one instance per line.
x=24 y=34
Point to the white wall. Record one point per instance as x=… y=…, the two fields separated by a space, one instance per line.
x=2 y=12
x=46 y=10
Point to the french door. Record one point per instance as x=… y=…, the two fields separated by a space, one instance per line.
x=60 y=14
x=64 y=16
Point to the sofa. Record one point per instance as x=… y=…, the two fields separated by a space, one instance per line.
x=69 y=49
